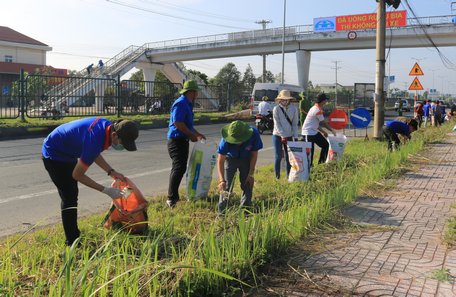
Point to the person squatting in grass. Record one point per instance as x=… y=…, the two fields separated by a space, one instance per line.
x=83 y=139
x=237 y=150
x=312 y=130
x=393 y=128
x=286 y=119
x=179 y=133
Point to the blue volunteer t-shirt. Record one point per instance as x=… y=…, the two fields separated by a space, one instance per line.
x=181 y=111
x=243 y=150
x=84 y=139
x=399 y=127
x=426 y=109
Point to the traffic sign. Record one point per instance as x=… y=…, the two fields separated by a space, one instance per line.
x=416 y=85
x=338 y=119
x=360 y=117
x=416 y=70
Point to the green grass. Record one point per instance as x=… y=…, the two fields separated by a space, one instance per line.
x=142 y=119
x=188 y=251
x=442 y=275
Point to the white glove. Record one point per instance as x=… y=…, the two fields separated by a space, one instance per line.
x=113 y=192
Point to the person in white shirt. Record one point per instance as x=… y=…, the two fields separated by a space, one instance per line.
x=286 y=119
x=313 y=132
x=264 y=108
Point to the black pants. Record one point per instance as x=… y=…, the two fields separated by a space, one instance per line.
x=61 y=174
x=391 y=137
x=322 y=142
x=178 y=151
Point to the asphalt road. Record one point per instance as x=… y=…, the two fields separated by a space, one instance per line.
x=29 y=197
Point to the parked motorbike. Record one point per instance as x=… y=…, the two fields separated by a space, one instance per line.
x=264 y=123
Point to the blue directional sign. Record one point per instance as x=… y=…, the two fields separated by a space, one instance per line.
x=360 y=117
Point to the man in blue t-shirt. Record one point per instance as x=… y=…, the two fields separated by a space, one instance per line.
x=68 y=152
x=238 y=150
x=180 y=131
x=393 y=128
x=427 y=114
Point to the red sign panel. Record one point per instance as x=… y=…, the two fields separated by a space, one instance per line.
x=338 y=119
x=369 y=21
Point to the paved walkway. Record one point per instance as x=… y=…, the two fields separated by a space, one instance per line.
x=397 y=261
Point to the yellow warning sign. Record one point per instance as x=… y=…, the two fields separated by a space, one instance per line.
x=416 y=85
x=416 y=70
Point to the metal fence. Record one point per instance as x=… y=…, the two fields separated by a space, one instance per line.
x=54 y=97
x=9 y=103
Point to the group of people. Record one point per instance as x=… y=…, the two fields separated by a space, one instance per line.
x=90 y=67
x=427 y=112
x=72 y=148
x=287 y=120
x=432 y=112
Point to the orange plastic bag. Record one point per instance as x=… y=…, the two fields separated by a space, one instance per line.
x=128 y=213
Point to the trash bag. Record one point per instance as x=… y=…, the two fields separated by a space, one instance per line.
x=336 y=147
x=199 y=170
x=128 y=213
x=299 y=155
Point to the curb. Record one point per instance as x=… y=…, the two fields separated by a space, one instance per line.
x=13 y=132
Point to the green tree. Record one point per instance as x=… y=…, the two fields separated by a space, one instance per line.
x=199 y=74
x=269 y=77
x=278 y=78
x=226 y=85
x=248 y=80
x=37 y=86
x=138 y=75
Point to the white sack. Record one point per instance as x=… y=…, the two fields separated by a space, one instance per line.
x=199 y=170
x=299 y=155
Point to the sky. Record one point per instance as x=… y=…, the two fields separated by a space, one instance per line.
x=81 y=32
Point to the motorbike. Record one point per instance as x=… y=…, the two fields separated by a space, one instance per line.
x=264 y=123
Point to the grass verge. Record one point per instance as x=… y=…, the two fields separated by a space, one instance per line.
x=142 y=119
x=188 y=250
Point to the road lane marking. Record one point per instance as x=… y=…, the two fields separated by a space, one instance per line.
x=29 y=196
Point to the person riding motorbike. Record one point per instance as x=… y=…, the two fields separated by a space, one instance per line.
x=264 y=115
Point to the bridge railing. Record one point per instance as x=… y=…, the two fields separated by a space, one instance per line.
x=274 y=33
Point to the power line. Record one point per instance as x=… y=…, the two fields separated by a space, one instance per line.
x=171 y=15
x=196 y=11
x=446 y=62
x=76 y=55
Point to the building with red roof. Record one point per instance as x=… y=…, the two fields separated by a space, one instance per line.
x=18 y=51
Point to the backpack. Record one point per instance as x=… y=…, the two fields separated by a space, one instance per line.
x=127 y=213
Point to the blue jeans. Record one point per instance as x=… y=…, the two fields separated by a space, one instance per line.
x=278 y=146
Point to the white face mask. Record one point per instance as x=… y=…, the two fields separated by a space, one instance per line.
x=118 y=147
x=285 y=102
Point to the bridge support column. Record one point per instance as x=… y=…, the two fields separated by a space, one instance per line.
x=99 y=96
x=149 y=72
x=303 y=63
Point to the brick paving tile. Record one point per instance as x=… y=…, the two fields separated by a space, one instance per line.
x=399 y=262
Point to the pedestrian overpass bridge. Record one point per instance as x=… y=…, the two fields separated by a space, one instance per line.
x=167 y=56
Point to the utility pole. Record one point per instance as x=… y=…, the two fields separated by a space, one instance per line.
x=379 y=96
x=283 y=41
x=263 y=23
x=336 y=68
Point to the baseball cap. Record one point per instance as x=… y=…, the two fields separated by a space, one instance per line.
x=127 y=131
